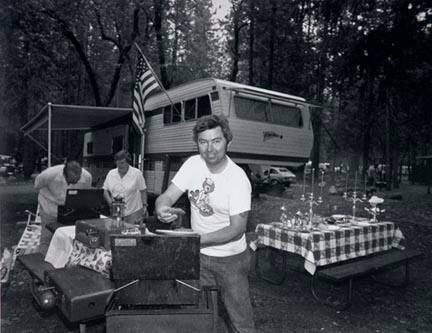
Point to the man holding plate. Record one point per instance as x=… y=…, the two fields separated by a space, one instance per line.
x=220 y=196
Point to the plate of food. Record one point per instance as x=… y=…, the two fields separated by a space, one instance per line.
x=180 y=231
x=338 y=217
x=362 y=223
x=332 y=227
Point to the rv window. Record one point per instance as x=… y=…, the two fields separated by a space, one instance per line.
x=89 y=148
x=286 y=115
x=190 y=109
x=176 y=113
x=203 y=106
x=250 y=108
x=117 y=144
x=167 y=114
x=214 y=96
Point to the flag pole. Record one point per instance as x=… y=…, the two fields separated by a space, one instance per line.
x=141 y=165
x=156 y=77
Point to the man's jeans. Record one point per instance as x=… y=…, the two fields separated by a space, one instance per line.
x=230 y=275
x=46 y=235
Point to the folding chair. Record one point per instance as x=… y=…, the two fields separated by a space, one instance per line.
x=30 y=238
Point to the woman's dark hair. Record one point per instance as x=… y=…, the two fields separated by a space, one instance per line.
x=212 y=121
x=122 y=155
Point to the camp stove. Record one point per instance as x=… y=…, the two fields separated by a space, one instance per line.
x=157 y=285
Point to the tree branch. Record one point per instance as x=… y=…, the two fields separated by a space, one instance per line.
x=104 y=36
x=68 y=33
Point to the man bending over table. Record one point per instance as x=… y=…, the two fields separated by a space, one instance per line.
x=52 y=184
x=220 y=196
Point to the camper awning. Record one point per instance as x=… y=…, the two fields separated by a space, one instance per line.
x=55 y=117
x=73 y=117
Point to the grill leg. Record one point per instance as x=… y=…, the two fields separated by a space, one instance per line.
x=211 y=296
x=214 y=297
x=82 y=328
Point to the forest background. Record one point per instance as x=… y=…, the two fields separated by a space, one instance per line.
x=367 y=62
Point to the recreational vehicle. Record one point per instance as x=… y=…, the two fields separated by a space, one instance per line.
x=269 y=128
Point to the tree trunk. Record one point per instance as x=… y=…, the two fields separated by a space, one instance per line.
x=25 y=145
x=388 y=145
x=367 y=111
x=83 y=57
x=159 y=40
x=316 y=126
x=235 y=49
x=251 y=41
x=271 y=47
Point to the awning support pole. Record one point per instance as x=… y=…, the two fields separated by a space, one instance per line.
x=49 y=134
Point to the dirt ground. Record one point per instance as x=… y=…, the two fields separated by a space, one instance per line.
x=288 y=307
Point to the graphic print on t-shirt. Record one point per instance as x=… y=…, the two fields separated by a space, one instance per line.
x=200 y=198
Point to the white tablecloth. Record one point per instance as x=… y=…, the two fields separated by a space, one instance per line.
x=61 y=246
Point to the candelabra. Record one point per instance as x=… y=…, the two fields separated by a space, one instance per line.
x=312 y=202
x=311 y=197
x=354 y=199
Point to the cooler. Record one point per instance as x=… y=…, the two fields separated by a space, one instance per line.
x=82 y=294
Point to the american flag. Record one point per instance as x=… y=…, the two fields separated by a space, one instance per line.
x=146 y=84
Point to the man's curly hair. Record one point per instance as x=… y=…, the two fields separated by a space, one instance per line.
x=205 y=123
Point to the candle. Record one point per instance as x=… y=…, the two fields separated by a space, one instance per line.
x=304 y=181
x=322 y=182
x=313 y=174
x=365 y=180
x=346 y=182
x=355 y=182
x=364 y=193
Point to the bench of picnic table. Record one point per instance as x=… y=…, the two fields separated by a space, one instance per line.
x=347 y=271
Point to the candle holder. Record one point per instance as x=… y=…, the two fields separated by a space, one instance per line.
x=312 y=202
x=321 y=185
x=354 y=199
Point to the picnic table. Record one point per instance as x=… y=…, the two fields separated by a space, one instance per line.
x=337 y=253
x=324 y=247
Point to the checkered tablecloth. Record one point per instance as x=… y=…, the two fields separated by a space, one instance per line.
x=321 y=248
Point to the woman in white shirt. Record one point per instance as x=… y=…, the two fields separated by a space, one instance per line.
x=128 y=183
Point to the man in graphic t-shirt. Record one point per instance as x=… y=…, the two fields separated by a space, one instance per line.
x=220 y=196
